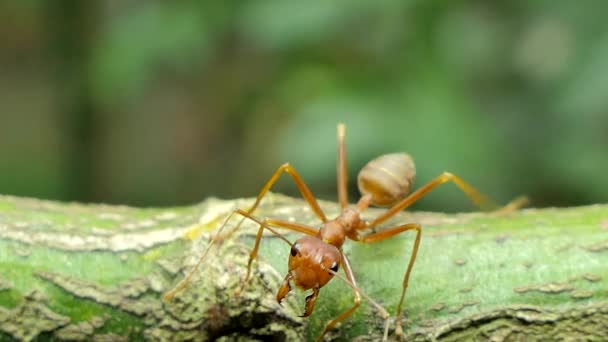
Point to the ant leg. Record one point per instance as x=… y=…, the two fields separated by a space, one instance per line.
x=288 y=225
x=304 y=190
x=350 y=281
x=269 y=224
x=390 y=233
x=342 y=170
x=479 y=199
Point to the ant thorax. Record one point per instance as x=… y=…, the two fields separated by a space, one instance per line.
x=334 y=232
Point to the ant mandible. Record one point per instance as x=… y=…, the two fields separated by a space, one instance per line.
x=316 y=257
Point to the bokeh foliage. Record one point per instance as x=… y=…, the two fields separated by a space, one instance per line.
x=162 y=103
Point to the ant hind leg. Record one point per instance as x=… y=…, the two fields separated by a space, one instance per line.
x=478 y=198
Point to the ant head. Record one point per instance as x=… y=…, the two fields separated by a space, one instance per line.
x=311 y=260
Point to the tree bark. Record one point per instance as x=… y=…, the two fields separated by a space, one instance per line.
x=71 y=271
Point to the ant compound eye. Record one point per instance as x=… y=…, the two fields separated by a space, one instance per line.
x=334 y=267
x=294 y=249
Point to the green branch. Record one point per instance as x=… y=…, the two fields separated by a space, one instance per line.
x=74 y=271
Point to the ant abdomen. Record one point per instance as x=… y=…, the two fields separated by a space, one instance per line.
x=387 y=178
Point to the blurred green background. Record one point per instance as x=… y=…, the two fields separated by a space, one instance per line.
x=169 y=102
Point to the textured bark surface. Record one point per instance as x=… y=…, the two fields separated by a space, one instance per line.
x=71 y=271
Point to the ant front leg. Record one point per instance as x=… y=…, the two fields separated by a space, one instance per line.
x=304 y=190
x=269 y=224
x=350 y=281
x=478 y=198
x=263 y=224
x=390 y=233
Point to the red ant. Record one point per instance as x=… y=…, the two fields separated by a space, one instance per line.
x=316 y=257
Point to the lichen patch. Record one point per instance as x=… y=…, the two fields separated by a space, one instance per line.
x=75 y=332
x=459 y=307
x=137 y=241
x=30 y=318
x=23 y=251
x=5 y=284
x=466 y=289
x=78 y=227
x=501 y=238
x=592 y=277
x=135 y=287
x=437 y=307
x=156 y=282
x=597 y=247
x=169 y=265
x=528 y=264
x=460 y=262
x=109 y=338
x=581 y=294
x=550 y=288
x=523 y=323
x=99 y=321
x=121 y=296
x=111 y=216
x=166 y=216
